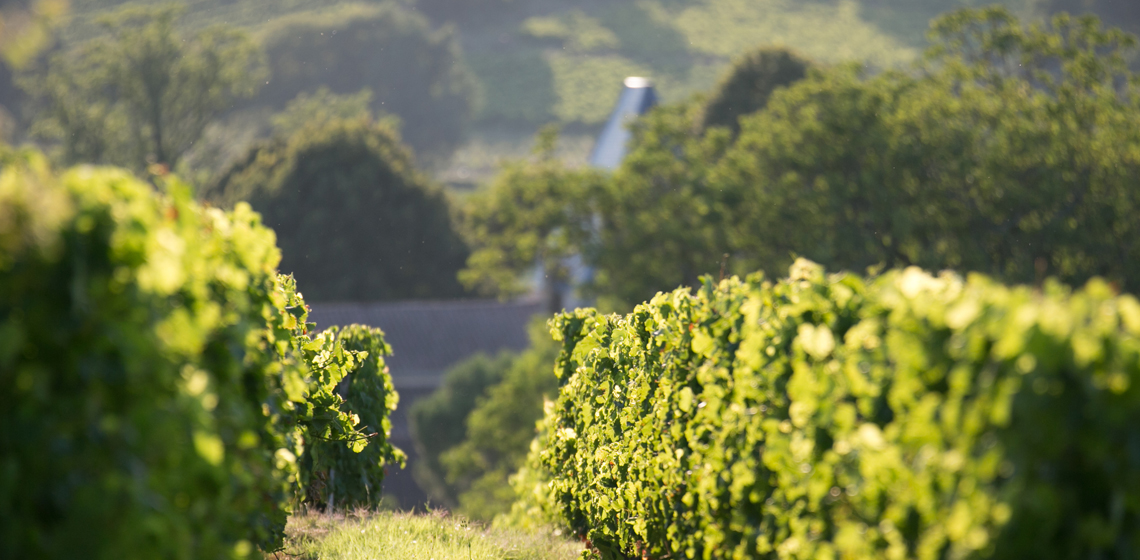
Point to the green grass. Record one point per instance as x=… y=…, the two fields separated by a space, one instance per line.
x=401 y=536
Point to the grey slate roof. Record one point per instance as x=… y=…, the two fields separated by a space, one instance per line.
x=637 y=97
x=428 y=337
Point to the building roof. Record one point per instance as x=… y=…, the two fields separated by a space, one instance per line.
x=637 y=97
x=428 y=337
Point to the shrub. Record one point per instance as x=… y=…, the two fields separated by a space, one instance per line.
x=751 y=81
x=414 y=72
x=136 y=357
x=828 y=416
x=157 y=378
x=354 y=220
x=321 y=108
x=339 y=476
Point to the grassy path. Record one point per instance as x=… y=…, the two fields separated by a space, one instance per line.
x=398 y=536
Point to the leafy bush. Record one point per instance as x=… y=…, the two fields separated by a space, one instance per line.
x=134 y=327
x=157 y=379
x=751 y=81
x=337 y=475
x=354 y=220
x=828 y=416
x=413 y=72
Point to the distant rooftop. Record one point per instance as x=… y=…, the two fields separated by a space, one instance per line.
x=428 y=337
x=637 y=97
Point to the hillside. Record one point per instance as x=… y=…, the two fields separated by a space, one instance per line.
x=540 y=61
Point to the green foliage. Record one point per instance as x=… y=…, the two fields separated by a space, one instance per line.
x=499 y=430
x=439 y=421
x=141 y=94
x=476 y=429
x=157 y=378
x=652 y=225
x=1013 y=154
x=321 y=108
x=1010 y=151
x=749 y=84
x=414 y=72
x=354 y=220
x=136 y=359
x=1123 y=14
x=529 y=215
x=26 y=27
x=828 y=416
x=333 y=474
x=663 y=223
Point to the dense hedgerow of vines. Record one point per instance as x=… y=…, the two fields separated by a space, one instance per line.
x=831 y=416
x=344 y=476
x=157 y=379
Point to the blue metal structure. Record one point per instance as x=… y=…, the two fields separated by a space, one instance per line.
x=636 y=99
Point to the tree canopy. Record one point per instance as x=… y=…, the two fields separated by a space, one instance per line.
x=751 y=81
x=142 y=94
x=354 y=219
x=1009 y=149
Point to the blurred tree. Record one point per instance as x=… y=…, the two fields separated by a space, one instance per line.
x=534 y=213
x=414 y=72
x=439 y=422
x=323 y=107
x=654 y=224
x=1122 y=13
x=1009 y=150
x=26 y=27
x=142 y=94
x=664 y=222
x=751 y=81
x=354 y=219
x=1014 y=154
x=476 y=430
